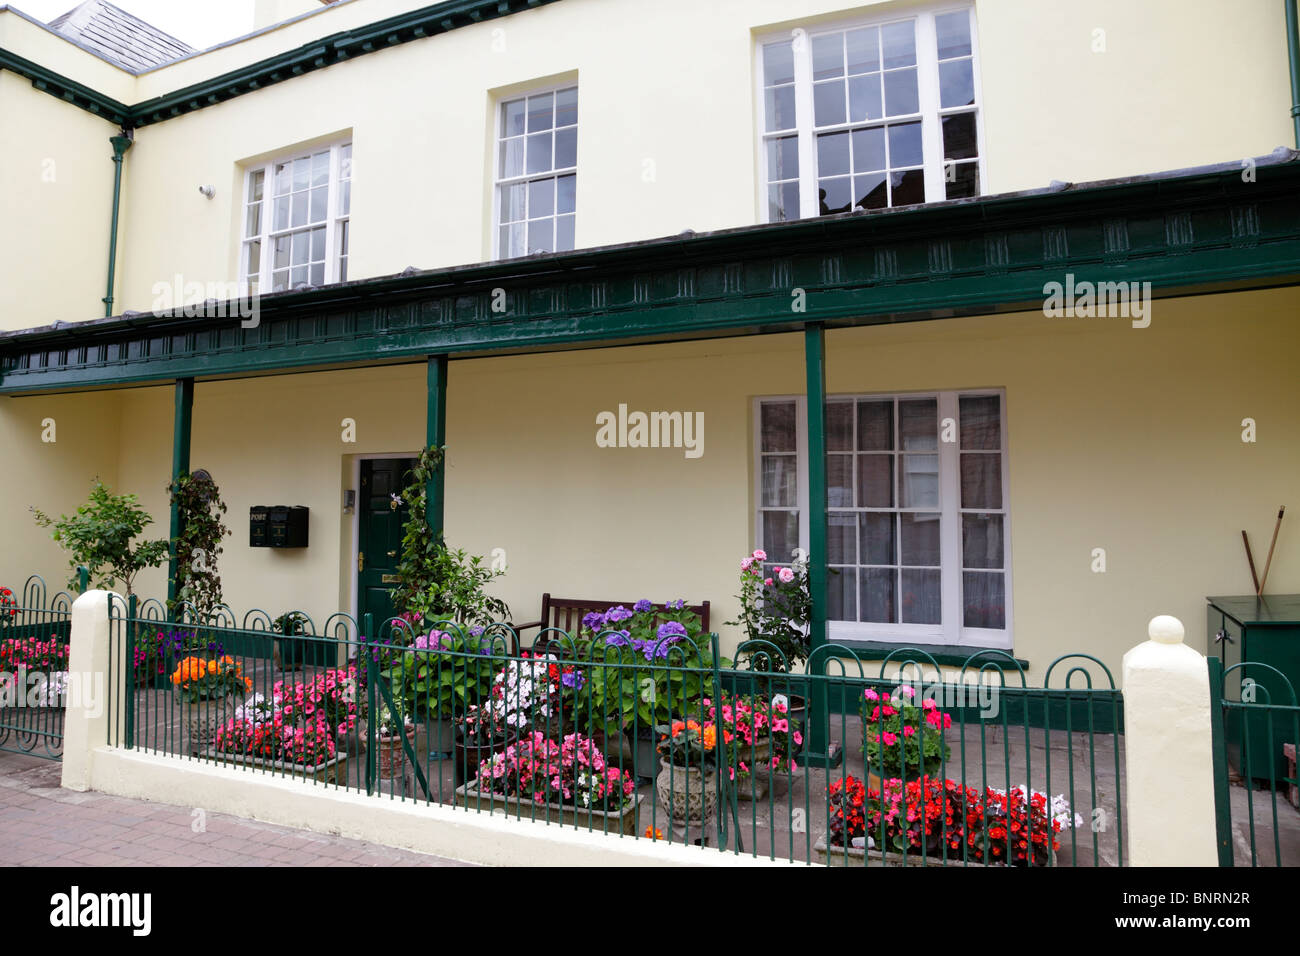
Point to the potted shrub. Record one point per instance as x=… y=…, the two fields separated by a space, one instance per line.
x=689 y=762
x=647 y=669
x=776 y=611
x=901 y=738
x=568 y=781
x=765 y=739
x=205 y=687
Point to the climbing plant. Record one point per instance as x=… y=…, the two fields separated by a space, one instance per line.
x=437 y=582
x=198 y=547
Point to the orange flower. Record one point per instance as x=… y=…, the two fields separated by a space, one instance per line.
x=710 y=737
x=213 y=667
x=654 y=833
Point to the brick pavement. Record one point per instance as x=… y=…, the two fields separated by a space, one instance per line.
x=43 y=824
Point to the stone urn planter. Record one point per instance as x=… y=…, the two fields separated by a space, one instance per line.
x=392 y=754
x=203 y=718
x=689 y=796
x=599 y=821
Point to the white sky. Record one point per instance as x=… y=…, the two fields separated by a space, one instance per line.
x=200 y=23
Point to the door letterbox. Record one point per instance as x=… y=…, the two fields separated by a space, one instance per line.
x=287 y=526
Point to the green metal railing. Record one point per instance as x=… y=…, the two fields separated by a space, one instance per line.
x=1255 y=724
x=567 y=734
x=35 y=628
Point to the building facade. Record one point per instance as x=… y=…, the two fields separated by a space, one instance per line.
x=990 y=307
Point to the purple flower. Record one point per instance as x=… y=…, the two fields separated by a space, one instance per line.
x=616 y=614
x=476 y=630
x=672 y=630
x=642 y=606
x=573 y=679
x=617 y=639
x=594 y=621
x=676 y=605
x=433 y=641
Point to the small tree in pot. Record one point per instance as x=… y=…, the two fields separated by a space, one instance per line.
x=101 y=536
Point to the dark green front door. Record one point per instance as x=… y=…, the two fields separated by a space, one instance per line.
x=380 y=538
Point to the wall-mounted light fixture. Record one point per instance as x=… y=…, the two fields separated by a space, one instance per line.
x=208 y=191
x=349 y=501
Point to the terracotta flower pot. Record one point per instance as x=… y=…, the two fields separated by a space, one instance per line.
x=392 y=754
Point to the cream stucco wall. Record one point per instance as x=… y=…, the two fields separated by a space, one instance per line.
x=670 y=83
x=53 y=476
x=1119 y=438
x=56 y=192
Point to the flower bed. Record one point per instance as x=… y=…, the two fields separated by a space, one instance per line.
x=571 y=777
x=938 y=817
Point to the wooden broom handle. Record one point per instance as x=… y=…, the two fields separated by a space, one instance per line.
x=1269 y=560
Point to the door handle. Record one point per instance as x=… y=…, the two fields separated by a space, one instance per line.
x=392 y=554
x=361 y=561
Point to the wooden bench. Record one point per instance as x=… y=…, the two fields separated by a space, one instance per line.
x=567 y=614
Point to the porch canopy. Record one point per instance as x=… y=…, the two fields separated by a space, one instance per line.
x=1234 y=226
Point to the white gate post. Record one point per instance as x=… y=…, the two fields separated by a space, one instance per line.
x=1169 y=805
x=93 y=707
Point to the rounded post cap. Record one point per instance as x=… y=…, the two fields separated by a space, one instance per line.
x=1165 y=629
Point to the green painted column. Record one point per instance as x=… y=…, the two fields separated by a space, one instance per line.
x=182 y=419
x=820 y=752
x=436 y=436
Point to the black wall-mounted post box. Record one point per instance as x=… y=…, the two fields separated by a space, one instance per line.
x=287 y=526
x=257 y=535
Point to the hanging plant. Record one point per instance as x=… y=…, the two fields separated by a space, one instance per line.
x=197 y=548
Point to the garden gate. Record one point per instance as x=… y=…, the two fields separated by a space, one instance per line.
x=35 y=628
x=1255 y=724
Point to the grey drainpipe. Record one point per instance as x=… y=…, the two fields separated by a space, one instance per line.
x=120 y=145
x=1293 y=54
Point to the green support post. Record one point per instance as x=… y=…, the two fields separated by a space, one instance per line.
x=436 y=437
x=181 y=422
x=821 y=753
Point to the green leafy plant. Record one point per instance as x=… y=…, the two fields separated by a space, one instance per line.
x=437 y=582
x=198 y=546
x=901 y=735
x=649 y=664
x=442 y=674
x=776 y=609
x=102 y=535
